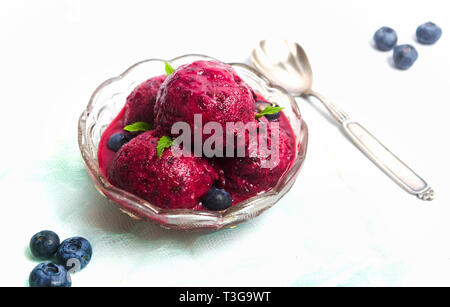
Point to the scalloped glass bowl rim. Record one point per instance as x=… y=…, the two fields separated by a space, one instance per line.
x=194 y=219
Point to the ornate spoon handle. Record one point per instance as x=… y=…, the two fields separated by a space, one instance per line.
x=379 y=154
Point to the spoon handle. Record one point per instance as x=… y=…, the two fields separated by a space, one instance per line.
x=379 y=154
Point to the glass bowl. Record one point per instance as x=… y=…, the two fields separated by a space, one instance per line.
x=109 y=98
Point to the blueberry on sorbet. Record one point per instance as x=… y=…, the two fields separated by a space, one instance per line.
x=75 y=253
x=217 y=199
x=44 y=244
x=385 y=38
x=261 y=105
x=405 y=56
x=273 y=117
x=49 y=275
x=116 y=141
x=428 y=33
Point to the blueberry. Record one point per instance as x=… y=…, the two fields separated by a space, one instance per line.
x=428 y=33
x=385 y=38
x=75 y=253
x=44 y=244
x=116 y=141
x=49 y=275
x=273 y=117
x=261 y=105
x=217 y=199
x=405 y=56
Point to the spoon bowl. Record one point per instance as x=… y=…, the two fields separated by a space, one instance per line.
x=284 y=63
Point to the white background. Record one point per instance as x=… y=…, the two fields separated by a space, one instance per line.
x=343 y=223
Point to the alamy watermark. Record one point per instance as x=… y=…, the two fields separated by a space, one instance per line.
x=252 y=139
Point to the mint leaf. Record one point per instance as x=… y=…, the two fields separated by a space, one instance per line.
x=169 y=69
x=163 y=143
x=268 y=110
x=138 y=126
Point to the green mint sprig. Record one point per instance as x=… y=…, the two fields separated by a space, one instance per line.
x=138 y=126
x=169 y=69
x=268 y=110
x=163 y=143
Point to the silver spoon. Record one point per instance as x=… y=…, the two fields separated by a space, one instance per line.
x=285 y=63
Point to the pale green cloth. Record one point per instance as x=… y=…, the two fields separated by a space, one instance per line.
x=306 y=239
